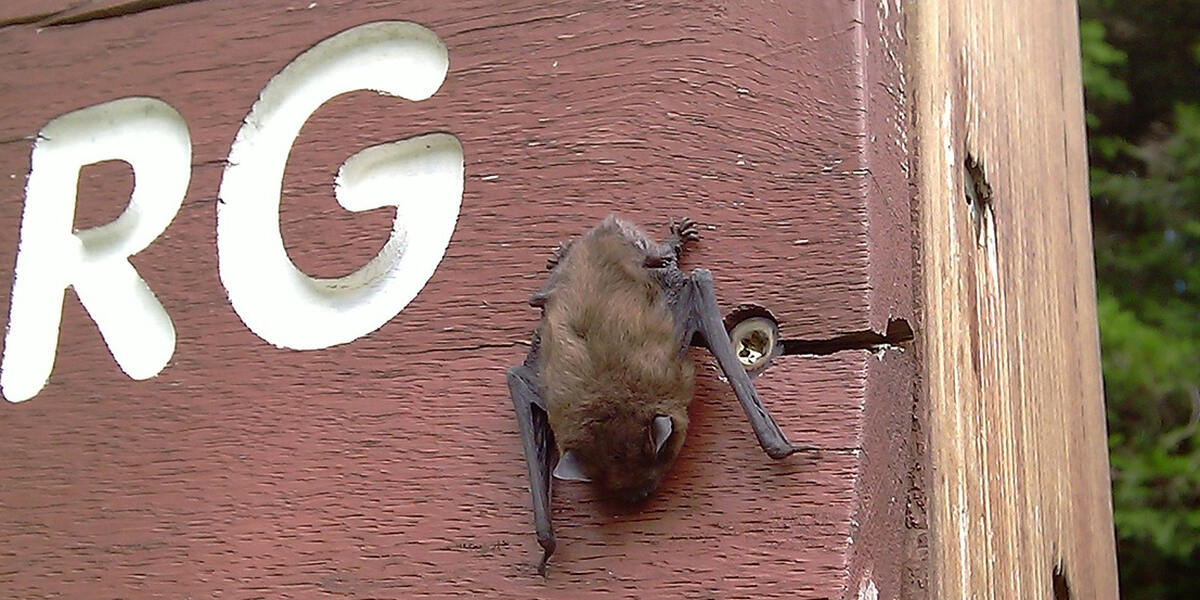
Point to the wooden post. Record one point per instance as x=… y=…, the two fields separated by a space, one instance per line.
x=1017 y=487
x=282 y=436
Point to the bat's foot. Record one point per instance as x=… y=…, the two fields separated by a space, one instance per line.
x=685 y=230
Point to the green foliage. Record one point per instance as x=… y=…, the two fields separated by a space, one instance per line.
x=1144 y=142
x=1099 y=60
x=1153 y=440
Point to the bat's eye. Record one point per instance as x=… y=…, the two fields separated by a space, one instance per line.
x=755 y=338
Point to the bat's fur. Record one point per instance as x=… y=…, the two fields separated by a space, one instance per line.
x=611 y=361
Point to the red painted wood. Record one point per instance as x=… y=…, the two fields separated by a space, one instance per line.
x=391 y=466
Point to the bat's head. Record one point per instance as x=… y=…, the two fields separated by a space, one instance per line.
x=626 y=458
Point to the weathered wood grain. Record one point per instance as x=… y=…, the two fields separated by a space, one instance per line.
x=1018 y=492
x=390 y=466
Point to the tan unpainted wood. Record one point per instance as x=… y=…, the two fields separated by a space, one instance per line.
x=1018 y=487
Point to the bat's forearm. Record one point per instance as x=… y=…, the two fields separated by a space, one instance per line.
x=770 y=437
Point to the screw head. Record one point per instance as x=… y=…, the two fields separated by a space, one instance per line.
x=756 y=342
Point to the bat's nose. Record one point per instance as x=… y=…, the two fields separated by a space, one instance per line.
x=639 y=495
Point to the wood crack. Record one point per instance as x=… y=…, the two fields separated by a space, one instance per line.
x=26 y=19
x=898 y=333
x=83 y=12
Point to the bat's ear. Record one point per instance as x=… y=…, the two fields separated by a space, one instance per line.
x=569 y=468
x=660 y=431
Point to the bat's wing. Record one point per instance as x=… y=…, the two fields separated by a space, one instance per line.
x=538 y=442
x=695 y=306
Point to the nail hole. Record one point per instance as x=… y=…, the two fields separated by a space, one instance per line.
x=1062 y=590
x=978 y=193
x=977 y=189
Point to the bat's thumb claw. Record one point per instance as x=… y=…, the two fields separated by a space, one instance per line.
x=548 y=546
x=781 y=451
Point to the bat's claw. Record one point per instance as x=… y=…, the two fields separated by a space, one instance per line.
x=778 y=452
x=685 y=229
x=776 y=446
x=556 y=256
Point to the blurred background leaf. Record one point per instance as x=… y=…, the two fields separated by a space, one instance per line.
x=1141 y=73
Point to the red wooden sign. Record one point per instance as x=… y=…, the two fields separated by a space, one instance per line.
x=254 y=390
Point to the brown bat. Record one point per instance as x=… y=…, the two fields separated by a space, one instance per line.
x=603 y=394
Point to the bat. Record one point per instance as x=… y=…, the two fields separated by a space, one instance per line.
x=603 y=394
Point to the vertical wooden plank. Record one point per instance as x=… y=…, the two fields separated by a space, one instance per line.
x=1018 y=486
